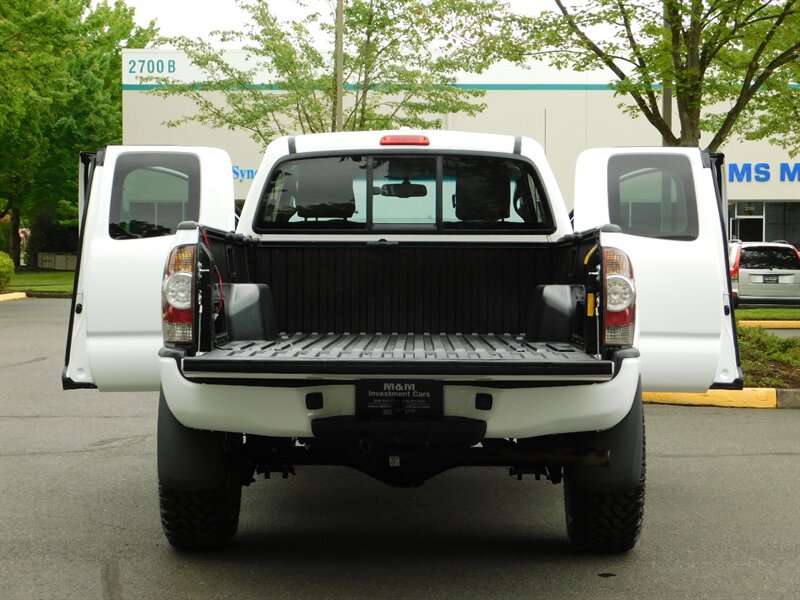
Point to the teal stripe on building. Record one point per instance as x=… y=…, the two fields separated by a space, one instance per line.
x=487 y=87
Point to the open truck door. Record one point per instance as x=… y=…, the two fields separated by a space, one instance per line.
x=132 y=200
x=666 y=204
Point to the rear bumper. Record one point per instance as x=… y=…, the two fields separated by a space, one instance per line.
x=758 y=293
x=517 y=412
x=783 y=300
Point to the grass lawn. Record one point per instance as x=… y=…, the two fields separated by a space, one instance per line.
x=42 y=282
x=788 y=313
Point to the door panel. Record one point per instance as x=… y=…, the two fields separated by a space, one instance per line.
x=666 y=204
x=137 y=197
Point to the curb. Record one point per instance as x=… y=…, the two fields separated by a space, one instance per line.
x=788 y=398
x=12 y=296
x=771 y=324
x=746 y=398
x=23 y=295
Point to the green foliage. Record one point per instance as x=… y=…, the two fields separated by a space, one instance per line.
x=401 y=59
x=6 y=270
x=774 y=113
x=49 y=235
x=769 y=360
x=60 y=65
x=787 y=313
x=5 y=234
x=729 y=64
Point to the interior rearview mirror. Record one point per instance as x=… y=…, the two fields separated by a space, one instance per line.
x=406 y=189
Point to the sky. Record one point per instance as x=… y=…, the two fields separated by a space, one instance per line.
x=196 y=18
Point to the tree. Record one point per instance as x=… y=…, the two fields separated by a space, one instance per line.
x=401 y=59
x=729 y=63
x=60 y=68
x=33 y=79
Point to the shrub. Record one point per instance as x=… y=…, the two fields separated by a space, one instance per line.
x=6 y=270
x=50 y=236
x=769 y=360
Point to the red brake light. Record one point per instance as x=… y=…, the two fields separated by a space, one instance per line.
x=405 y=140
x=735 y=265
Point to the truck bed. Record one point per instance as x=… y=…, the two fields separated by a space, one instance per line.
x=460 y=356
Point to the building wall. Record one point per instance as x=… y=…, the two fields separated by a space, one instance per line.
x=566 y=112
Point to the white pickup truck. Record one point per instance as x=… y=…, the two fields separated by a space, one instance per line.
x=403 y=303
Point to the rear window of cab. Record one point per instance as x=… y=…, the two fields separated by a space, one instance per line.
x=381 y=192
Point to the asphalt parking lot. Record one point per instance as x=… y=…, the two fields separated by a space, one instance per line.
x=80 y=515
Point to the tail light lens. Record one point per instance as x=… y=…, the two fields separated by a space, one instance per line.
x=735 y=266
x=177 y=296
x=620 y=298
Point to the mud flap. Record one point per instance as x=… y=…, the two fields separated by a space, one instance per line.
x=626 y=443
x=188 y=459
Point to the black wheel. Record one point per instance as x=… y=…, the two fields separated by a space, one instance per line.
x=605 y=522
x=202 y=520
x=199 y=485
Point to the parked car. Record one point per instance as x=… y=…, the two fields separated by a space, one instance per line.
x=765 y=273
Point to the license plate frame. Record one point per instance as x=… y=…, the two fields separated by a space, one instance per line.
x=399 y=399
x=770 y=279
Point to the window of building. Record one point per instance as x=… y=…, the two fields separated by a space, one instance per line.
x=783 y=222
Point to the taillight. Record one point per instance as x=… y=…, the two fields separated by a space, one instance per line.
x=177 y=296
x=735 y=266
x=620 y=298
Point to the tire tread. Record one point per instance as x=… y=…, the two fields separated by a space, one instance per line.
x=199 y=520
x=606 y=523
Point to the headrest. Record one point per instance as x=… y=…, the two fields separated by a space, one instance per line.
x=325 y=194
x=482 y=196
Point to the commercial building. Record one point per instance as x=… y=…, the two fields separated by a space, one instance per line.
x=565 y=111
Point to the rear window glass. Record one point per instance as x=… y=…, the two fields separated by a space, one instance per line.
x=152 y=193
x=404 y=193
x=653 y=196
x=769 y=257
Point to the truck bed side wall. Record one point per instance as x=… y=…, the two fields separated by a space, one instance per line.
x=407 y=288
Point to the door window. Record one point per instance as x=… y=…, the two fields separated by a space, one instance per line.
x=152 y=193
x=652 y=195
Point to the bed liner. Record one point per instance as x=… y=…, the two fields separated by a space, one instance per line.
x=425 y=354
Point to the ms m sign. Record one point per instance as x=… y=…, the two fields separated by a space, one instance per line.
x=761 y=172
